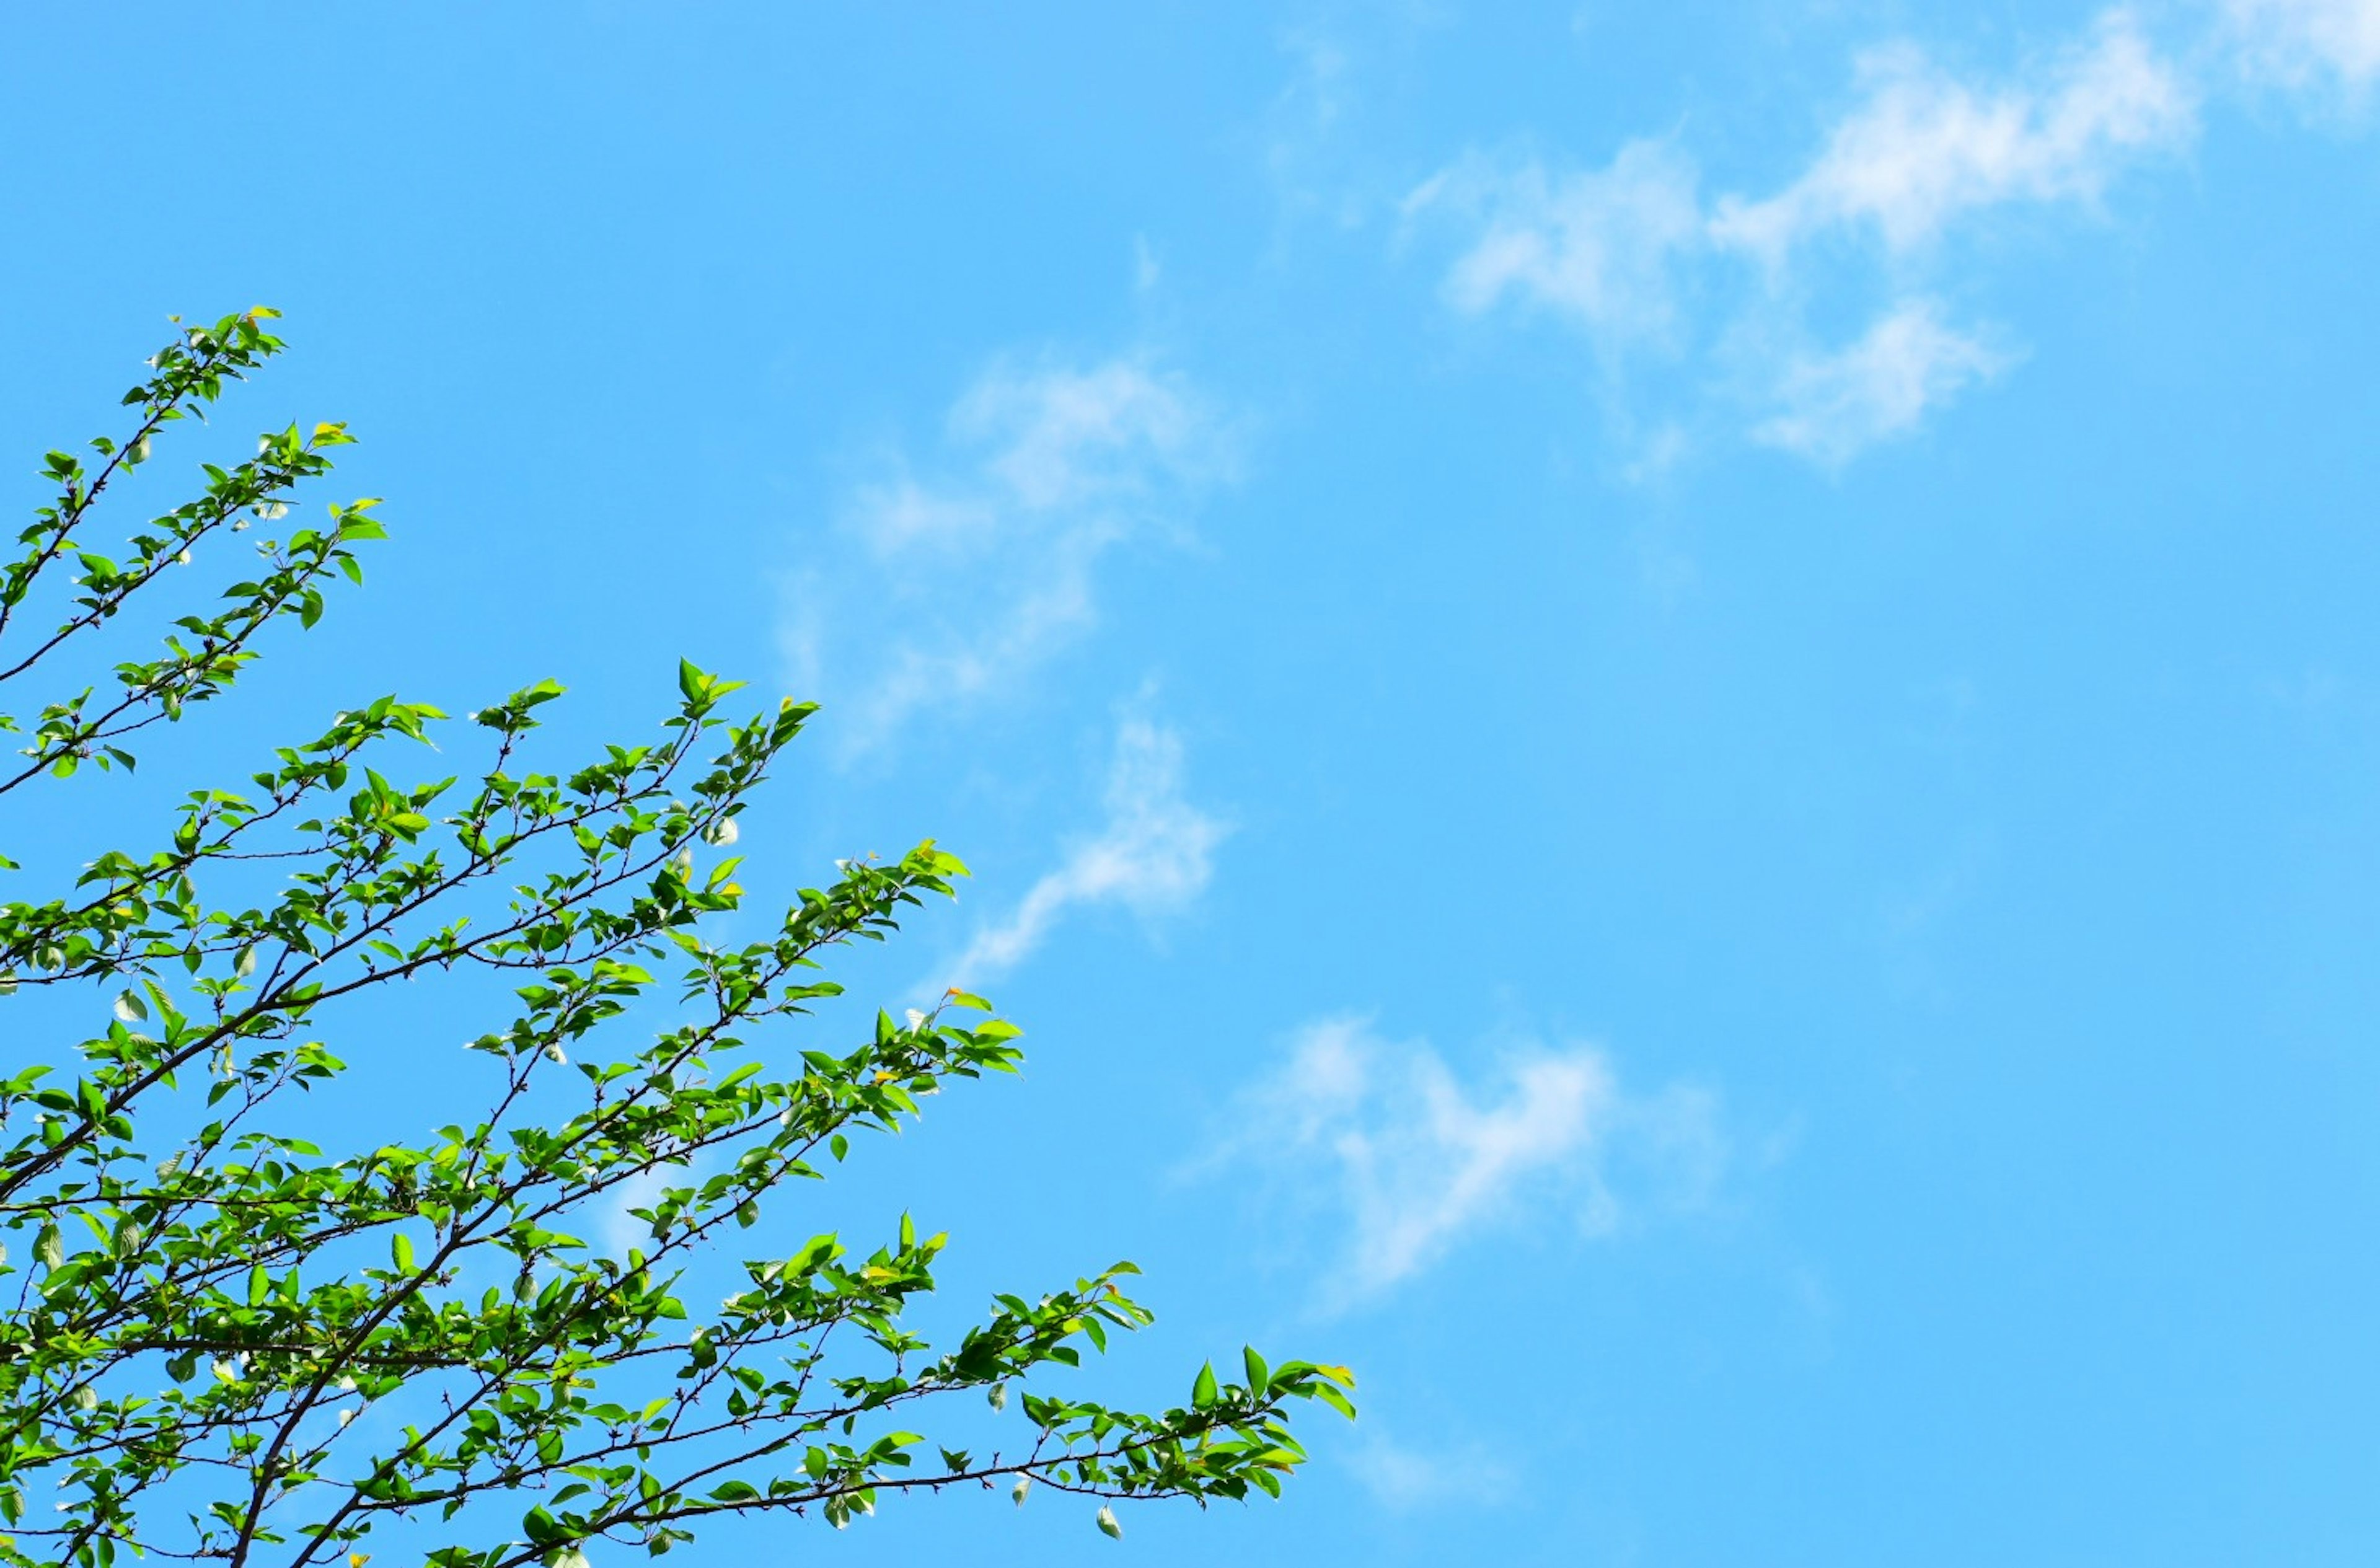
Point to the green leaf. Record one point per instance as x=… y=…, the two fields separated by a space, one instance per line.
x=1330 y=1394
x=337 y=880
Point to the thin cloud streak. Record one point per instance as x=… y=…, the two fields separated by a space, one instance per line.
x=1834 y=405
x=1596 y=245
x=1412 y=1162
x=1403 y=1479
x=972 y=578
x=1154 y=855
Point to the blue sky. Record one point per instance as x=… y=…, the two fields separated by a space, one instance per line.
x=1668 y=722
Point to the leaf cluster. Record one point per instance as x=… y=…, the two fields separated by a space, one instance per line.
x=220 y=1341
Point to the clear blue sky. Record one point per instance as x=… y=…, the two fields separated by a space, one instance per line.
x=1669 y=721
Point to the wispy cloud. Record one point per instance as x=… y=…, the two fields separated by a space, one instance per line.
x=2307 y=43
x=1923 y=148
x=1834 y=405
x=954 y=584
x=1155 y=854
x=1317 y=91
x=1304 y=122
x=1413 y=1161
x=1597 y=247
x=1920 y=152
x=1403 y=1478
x=1346 y=67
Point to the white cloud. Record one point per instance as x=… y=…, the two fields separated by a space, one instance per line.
x=1304 y=122
x=1401 y=1478
x=1617 y=252
x=1415 y=1161
x=2303 y=43
x=1316 y=93
x=955 y=585
x=1924 y=147
x=1836 y=405
x=1065 y=438
x=1594 y=246
x=1347 y=69
x=1155 y=854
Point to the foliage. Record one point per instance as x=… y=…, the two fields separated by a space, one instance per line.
x=198 y=1305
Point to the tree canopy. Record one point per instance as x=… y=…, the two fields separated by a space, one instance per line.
x=224 y=1342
